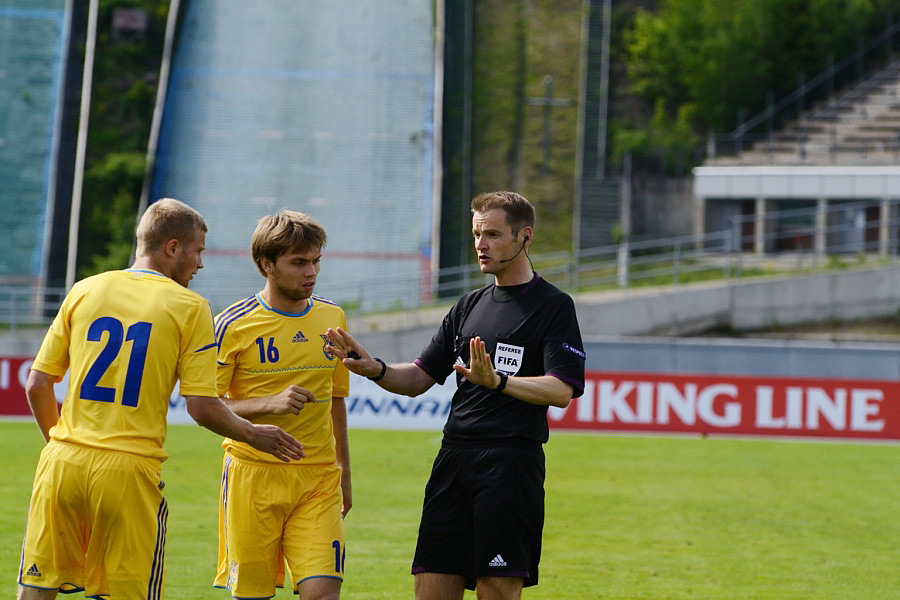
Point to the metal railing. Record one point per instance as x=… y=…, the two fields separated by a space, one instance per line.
x=792 y=242
x=28 y=305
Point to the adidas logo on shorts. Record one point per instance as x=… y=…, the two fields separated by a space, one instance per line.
x=33 y=571
x=497 y=561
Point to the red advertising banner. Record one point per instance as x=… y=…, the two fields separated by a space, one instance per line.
x=628 y=402
x=13 y=374
x=734 y=404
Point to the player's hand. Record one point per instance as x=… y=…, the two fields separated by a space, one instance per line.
x=352 y=354
x=480 y=370
x=277 y=442
x=290 y=401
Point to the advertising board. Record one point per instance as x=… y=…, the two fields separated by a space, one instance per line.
x=619 y=402
x=734 y=405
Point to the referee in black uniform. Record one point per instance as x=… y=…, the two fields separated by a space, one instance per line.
x=516 y=349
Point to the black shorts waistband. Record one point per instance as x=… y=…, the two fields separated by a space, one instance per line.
x=458 y=444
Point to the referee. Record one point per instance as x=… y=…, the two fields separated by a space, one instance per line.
x=516 y=348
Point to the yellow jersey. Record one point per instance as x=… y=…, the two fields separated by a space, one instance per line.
x=262 y=351
x=127 y=337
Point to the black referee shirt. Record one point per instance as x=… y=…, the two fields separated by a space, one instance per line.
x=529 y=330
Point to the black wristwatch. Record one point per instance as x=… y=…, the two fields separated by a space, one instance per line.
x=502 y=385
x=380 y=376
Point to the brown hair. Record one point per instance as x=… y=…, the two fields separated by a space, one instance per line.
x=283 y=232
x=519 y=211
x=164 y=220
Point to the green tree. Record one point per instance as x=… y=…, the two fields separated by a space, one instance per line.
x=126 y=72
x=107 y=224
x=699 y=61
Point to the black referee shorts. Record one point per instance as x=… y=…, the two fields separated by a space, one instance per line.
x=483 y=514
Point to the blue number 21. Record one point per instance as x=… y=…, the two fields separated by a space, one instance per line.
x=139 y=334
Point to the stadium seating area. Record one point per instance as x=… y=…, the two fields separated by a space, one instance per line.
x=859 y=125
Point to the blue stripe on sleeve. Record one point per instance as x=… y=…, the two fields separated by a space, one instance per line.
x=223 y=323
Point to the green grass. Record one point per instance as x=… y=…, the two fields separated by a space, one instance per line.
x=627 y=517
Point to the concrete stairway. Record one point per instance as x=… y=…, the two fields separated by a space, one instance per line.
x=857 y=126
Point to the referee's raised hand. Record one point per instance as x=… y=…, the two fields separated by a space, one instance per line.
x=481 y=369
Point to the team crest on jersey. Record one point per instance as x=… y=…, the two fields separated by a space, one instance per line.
x=299 y=337
x=327 y=347
x=508 y=358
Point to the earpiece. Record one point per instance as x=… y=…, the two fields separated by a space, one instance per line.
x=524 y=241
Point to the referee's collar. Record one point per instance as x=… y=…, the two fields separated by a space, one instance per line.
x=508 y=292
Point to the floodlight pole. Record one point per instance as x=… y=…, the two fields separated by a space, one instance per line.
x=579 y=142
x=81 y=146
x=54 y=152
x=161 y=90
x=604 y=90
x=438 y=129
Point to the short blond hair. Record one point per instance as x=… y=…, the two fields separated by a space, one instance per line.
x=285 y=231
x=519 y=211
x=164 y=220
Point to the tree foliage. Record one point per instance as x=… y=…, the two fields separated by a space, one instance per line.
x=699 y=62
x=125 y=78
x=108 y=222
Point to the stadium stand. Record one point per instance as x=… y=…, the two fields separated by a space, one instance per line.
x=839 y=153
x=859 y=125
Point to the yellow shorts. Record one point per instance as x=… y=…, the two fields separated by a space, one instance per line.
x=272 y=514
x=97 y=523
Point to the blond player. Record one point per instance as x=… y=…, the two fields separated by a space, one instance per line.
x=97 y=518
x=277 y=367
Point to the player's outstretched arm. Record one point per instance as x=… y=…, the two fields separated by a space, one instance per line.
x=406 y=378
x=42 y=400
x=352 y=354
x=218 y=418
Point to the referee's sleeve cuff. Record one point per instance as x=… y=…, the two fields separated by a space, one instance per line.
x=422 y=366
x=577 y=386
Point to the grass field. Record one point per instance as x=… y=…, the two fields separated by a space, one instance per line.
x=627 y=517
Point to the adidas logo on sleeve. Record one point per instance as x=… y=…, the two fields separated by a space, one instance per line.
x=497 y=561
